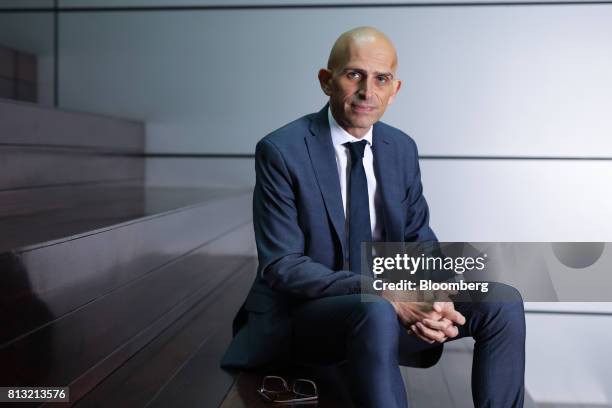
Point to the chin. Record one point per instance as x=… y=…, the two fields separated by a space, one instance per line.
x=362 y=122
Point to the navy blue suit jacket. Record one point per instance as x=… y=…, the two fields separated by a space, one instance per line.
x=300 y=230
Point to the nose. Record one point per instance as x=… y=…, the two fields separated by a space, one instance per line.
x=366 y=88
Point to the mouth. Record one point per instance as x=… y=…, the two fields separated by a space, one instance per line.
x=362 y=108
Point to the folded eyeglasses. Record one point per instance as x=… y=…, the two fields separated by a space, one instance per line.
x=275 y=389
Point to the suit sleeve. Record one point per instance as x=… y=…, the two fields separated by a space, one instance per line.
x=417 y=227
x=280 y=240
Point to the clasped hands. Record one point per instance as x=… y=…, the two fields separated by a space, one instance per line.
x=430 y=321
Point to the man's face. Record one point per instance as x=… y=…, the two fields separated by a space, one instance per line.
x=362 y=85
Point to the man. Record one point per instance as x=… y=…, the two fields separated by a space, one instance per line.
x=325 y=183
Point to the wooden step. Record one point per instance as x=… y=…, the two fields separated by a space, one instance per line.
x=41 y=147
x=76 y=308
x=181 y=366
x=26 y=124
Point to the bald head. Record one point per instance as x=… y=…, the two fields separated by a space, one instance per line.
x=360 y=79
x=358 y=37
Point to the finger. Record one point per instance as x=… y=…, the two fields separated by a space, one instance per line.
x=418 y=333
x=427 y=309
x=451 y=332
x=435 y=316
x=441 y=307
x=435 y=335
x=457 y=318
x=448 y=310
x=444 y=325
x=441 y=324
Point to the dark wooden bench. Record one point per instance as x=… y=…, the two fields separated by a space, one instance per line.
x=125 y=293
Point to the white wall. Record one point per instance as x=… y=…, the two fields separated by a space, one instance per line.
x=484 y=81
x=568 y=359
x=529 y=80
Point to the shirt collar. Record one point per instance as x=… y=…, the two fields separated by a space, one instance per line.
x=341 y=136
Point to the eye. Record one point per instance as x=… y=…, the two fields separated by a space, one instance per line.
x=382 y=79
x=353 y=75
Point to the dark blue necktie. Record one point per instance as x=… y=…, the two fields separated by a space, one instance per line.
x=359 y=206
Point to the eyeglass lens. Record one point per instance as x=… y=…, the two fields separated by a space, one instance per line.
x=275 y=384
x=305 y=388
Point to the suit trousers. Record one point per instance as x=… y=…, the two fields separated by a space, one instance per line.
x=367 y=336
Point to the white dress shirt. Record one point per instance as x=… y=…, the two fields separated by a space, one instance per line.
x=343 y=161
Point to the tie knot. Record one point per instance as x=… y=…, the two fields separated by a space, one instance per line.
x=356 y=149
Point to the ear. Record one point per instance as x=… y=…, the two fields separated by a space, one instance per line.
x=397 y=86
x=325 y=76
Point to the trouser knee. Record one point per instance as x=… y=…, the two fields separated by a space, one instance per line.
x=503 y=308
x=376 y=326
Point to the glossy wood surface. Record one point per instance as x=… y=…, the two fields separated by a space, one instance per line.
x=26 y=91
x=27 y=167
x=185 y=301
x=69 y=273
x=182 y=364
x=8 y=58
x=36 y=216
x=84 y=337
x=33 y=201
x=7 y=88
x=17 y=64
x=26 y=67
x=29 y=124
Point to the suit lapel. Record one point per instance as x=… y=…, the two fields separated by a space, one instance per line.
x=322 y=156
x=386 y=166
x=388 y=177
